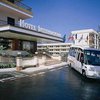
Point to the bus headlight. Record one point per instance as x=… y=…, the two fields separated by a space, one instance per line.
x=91 y=69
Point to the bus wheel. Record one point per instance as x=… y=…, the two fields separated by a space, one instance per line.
x=84 y=73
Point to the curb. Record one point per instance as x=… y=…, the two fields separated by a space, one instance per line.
x=45 y=69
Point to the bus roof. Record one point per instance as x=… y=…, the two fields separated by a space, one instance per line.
x=84 y=47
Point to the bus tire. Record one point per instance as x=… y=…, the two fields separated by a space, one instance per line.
x=84 y=73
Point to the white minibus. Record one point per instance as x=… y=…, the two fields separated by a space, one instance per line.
x=85 y=60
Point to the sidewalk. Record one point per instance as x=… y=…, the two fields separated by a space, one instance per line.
x=34 y=69
x=8 y=70
x=12 y=74
x=43 y=68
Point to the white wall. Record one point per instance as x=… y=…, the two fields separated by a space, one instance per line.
x=82 y=39
x=3 y=16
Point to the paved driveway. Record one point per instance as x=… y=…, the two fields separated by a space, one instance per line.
x=56 y=84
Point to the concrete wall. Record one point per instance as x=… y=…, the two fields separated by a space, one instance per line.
x=82 y=39
x=6 y=59
x=27 y=62
x=56 y=57
x=3 y=16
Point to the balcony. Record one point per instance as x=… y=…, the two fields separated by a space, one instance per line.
x=3 y=23
x=17 y=4
x=20 y=4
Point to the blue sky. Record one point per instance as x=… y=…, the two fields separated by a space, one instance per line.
x=64 y=16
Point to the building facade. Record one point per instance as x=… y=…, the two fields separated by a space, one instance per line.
x=15 y=33
x=86 y=37
x=55 y=48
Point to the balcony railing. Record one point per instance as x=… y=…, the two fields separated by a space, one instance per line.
x=18 y=3
x=22 y=5
x=2 y=23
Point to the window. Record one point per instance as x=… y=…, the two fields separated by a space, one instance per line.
x=63 y=46
x=92 y=57
x=26 y=45
x=5 y=43
x=57 y=46
x=76 y=36
x=11 y=21
x=72 y=52
x=12 y=1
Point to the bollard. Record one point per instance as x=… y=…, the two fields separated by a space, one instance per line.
x=0 y=58
x=36 y=59
x=44 y=58
x=18 y=63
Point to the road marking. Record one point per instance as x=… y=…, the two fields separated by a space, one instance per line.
x=5 y=79
x=33 y=75
x=12 y=79
x=60 y=68
x=41 y=73
x=52 y=70
x=1 y=81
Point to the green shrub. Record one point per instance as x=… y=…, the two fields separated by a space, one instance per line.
x=7 y=65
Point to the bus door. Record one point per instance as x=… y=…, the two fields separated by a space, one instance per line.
x=79 y=63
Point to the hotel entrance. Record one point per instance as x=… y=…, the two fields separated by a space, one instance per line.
x=15 y=44
x=29 y=46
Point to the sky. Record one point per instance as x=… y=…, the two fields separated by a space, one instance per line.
x=64 y=16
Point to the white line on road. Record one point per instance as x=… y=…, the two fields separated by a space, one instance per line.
x=41 y=73
x=52 y=70
x=33 y=75
x=1 y=81
x=60 y=68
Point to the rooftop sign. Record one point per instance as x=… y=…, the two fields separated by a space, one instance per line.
x=23 y=24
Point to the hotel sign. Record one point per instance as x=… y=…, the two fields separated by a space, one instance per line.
x=23 y=24
x=26 y=25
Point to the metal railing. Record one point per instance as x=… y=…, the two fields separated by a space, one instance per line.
x=22 y=5
x=2 y=23
x=18 y=3
x=47 y=53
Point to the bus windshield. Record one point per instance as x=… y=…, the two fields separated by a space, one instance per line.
x=92 y=57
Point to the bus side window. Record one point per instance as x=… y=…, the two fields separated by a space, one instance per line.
x=76 y=55
x=73 y=52
x=70 y=52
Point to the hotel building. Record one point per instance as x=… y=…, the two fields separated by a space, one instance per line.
x=55 y=48
x=86 y=37
x=15 y=33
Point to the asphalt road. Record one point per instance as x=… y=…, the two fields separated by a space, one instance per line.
x=56 y=84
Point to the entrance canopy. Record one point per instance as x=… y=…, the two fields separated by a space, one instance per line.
x=14 y=32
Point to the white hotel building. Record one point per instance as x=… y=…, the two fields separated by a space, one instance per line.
x=86 y=37
x=55 y=48
x=15 y=33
